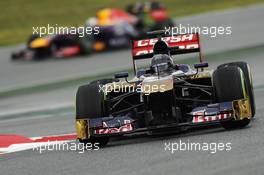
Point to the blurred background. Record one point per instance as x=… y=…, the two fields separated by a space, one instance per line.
x=19 y=16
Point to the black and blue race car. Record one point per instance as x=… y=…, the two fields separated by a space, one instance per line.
x=164 y=96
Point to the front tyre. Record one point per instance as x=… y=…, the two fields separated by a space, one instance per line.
x=248 y=80
x=90 y=104
x=229 y=85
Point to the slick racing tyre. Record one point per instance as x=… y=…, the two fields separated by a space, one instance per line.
x=90 y=104
x=229 y=84
x=248 y=80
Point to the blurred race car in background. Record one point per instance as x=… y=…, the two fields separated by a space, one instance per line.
x=152 y=15
x=116 y=28
x=164 y=97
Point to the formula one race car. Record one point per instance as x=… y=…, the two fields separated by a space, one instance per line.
x=37 y=48
x=114 y=30
x=165 y=97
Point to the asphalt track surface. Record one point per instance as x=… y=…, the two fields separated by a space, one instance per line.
x=146 y=155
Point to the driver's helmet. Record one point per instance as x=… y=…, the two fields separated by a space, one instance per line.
x=161 y=63
x=161 y=47
x=102 y=16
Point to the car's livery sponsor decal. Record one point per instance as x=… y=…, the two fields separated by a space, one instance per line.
x=185 y=42
x=199 y=117
x=169 y=40
x=124 y=128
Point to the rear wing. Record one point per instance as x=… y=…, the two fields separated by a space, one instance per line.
x=178 y=44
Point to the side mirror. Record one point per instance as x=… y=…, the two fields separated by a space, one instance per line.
x=121 y=75
x=200 y=65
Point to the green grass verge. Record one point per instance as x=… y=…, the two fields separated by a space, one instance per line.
x=75 y=82
x=19 y=16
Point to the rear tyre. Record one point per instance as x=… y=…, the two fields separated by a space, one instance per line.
x=86 y=44
x=90 y=104
x=229 y=85
x=248 y=80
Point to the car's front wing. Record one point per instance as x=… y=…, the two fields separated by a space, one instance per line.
x=126 y=125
